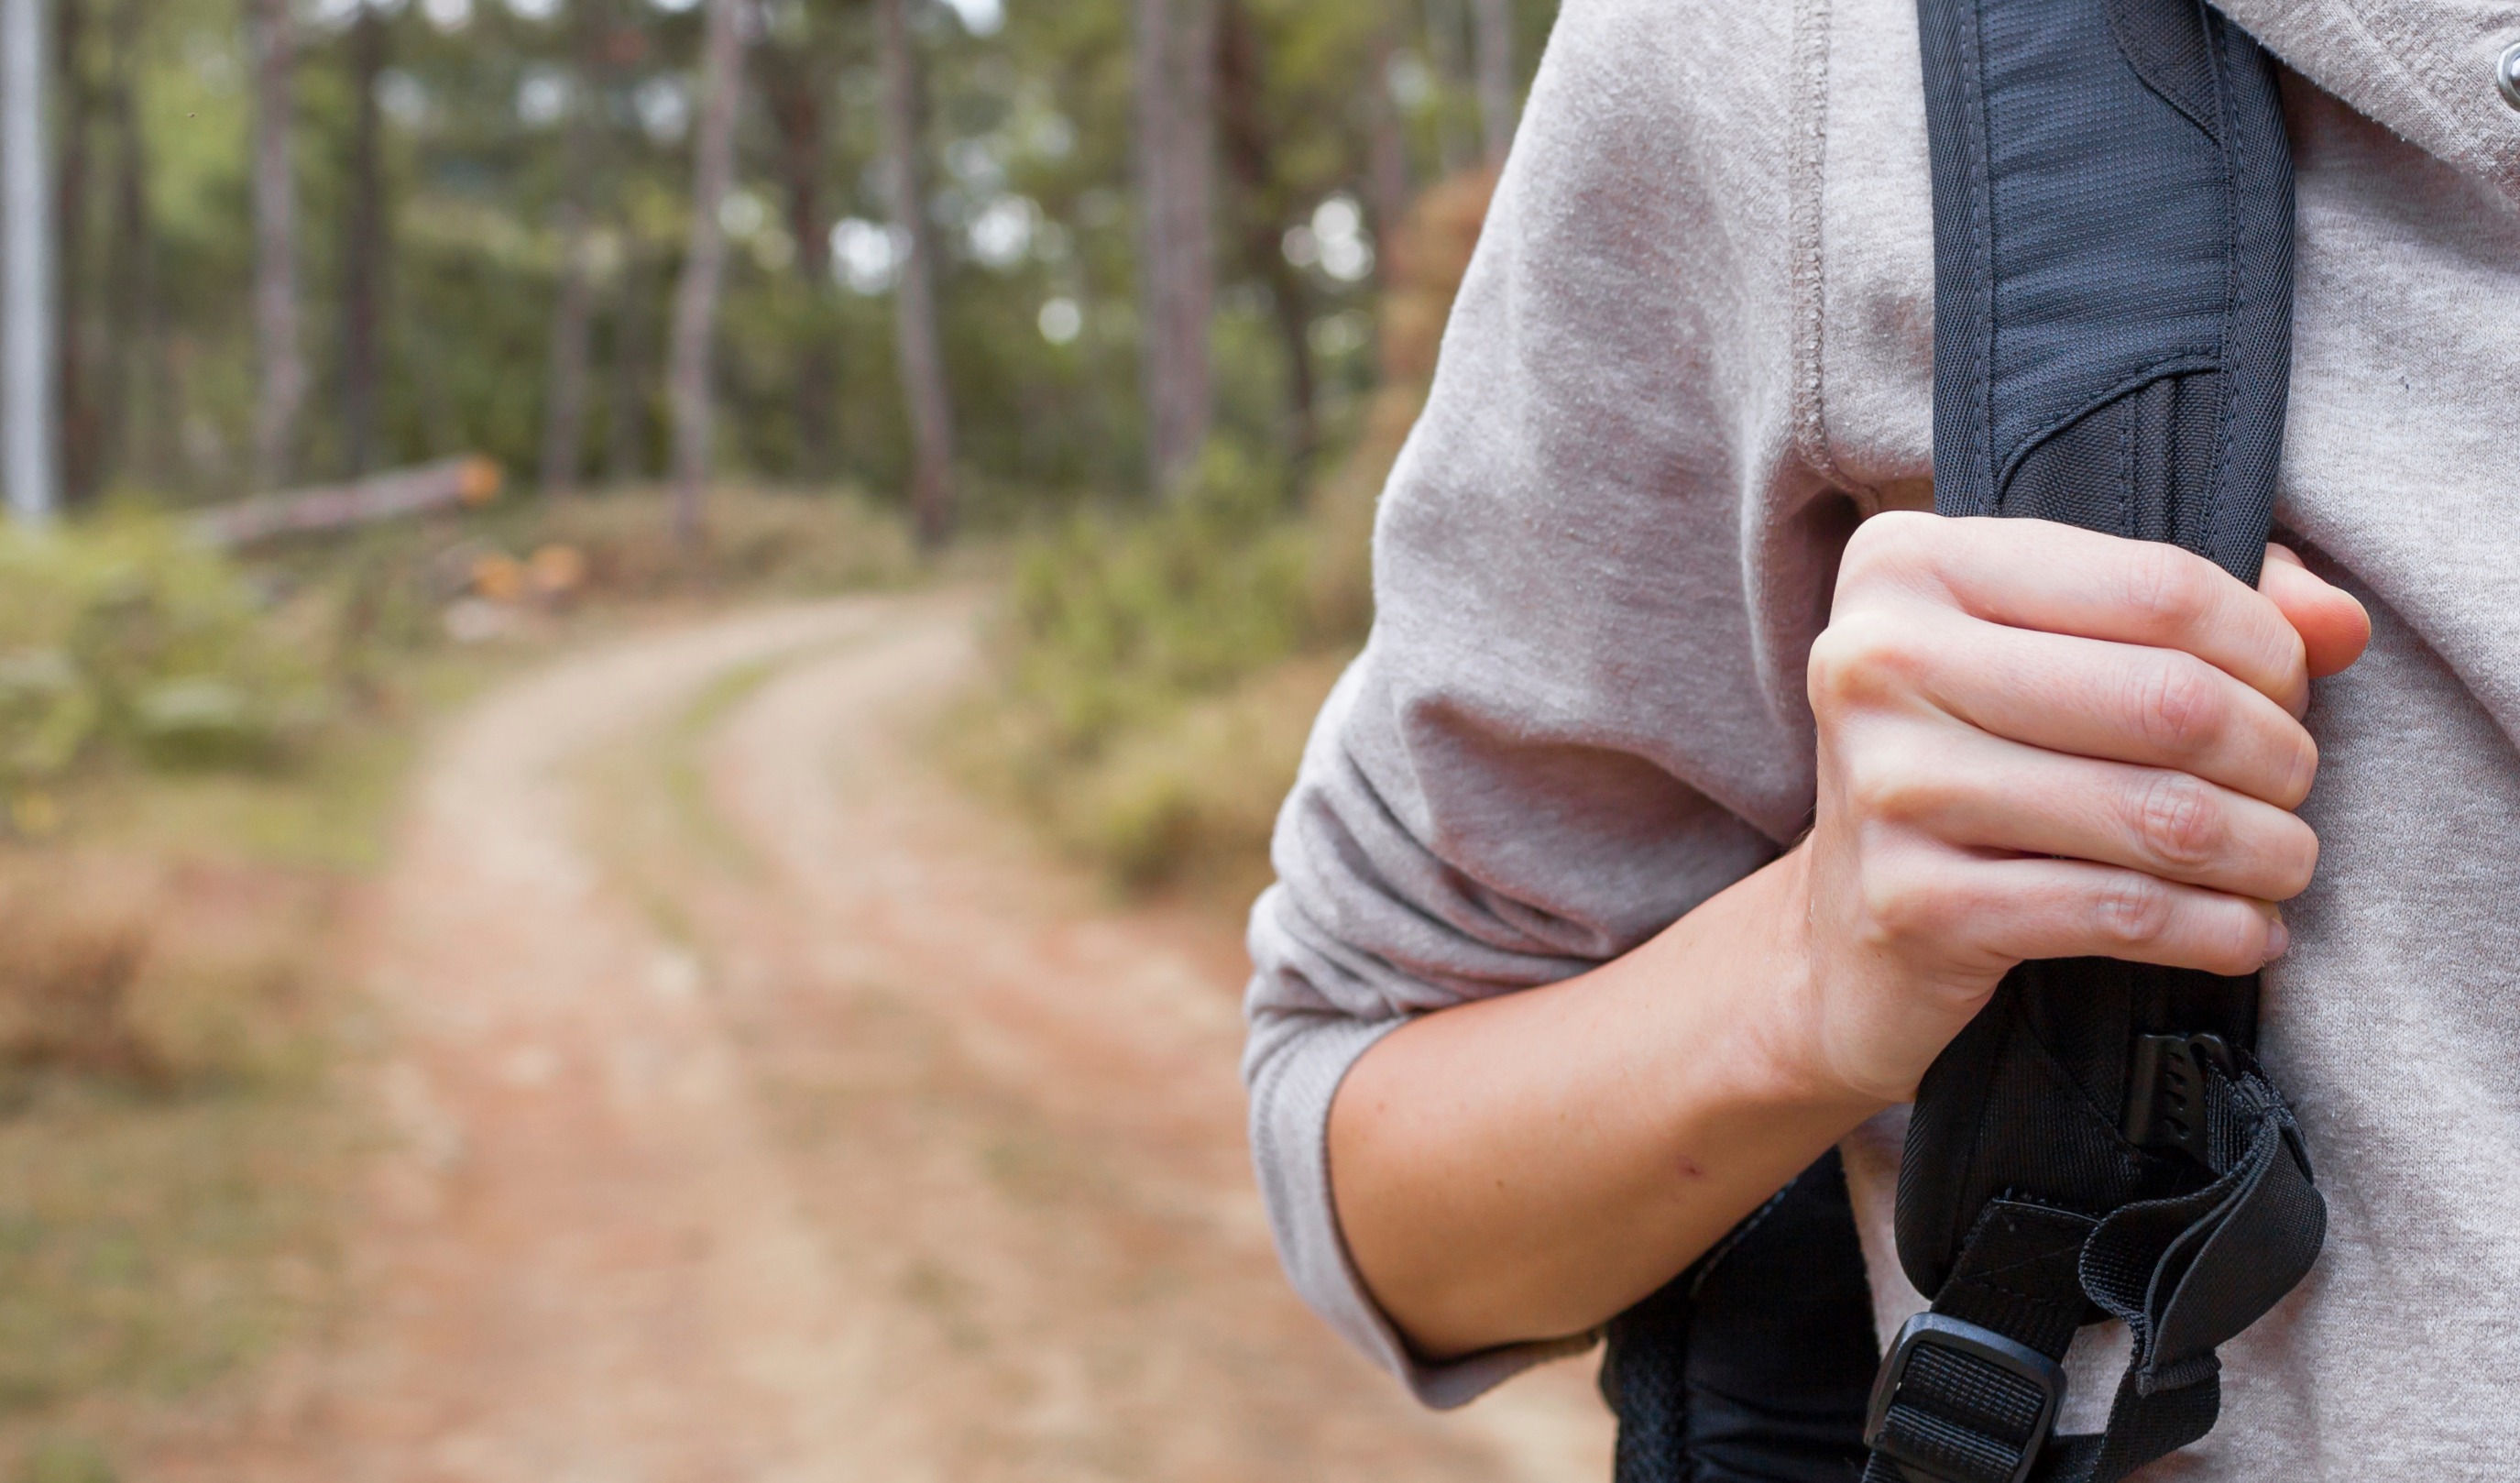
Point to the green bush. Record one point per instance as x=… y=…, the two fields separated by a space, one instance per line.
x=1111 y=620
x=126 y=634
x=1156 y=671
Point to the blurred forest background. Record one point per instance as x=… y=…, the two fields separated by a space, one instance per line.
x=1114 y=312
x=302 y=242
x=1130 y=272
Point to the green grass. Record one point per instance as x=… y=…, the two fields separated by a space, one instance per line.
x=653 y=812
x=150 y=1245
x=173 y=1147
x=67 y=1458
x=686 y=785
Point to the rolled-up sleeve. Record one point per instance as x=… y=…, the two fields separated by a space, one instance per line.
x=1598 y=566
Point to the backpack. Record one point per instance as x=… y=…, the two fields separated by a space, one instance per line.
x=2112 y=200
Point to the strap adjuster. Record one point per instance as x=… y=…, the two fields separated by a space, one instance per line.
x=2168 y=1079
x=1958 y=1403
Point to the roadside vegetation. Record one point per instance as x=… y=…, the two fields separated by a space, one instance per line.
x=199 y=755
x=1156 y=670
x=883 y=256
x=199 y=761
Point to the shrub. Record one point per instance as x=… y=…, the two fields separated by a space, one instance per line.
x=1157 y=673
x=1111 y=619
x=124 y=633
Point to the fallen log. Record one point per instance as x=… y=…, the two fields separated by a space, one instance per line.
x=470 y=480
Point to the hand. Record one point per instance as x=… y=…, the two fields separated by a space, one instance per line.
x=2037 y=741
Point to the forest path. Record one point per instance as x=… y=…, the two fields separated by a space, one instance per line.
x=766 y=1110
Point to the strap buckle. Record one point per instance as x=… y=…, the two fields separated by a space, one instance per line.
x=2168 y=1079
x=1958 y=1403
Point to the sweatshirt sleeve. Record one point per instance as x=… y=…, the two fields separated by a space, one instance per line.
x=1598 y=567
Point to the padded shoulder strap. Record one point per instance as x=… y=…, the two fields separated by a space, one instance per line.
x=2113 y=269
x=2113 y=293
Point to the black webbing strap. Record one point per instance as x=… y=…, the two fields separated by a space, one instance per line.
x=2113 y=239
x=2186 y=1272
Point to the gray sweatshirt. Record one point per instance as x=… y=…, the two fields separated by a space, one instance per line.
x=1694 y=350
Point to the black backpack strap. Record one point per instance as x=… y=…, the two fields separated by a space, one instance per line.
x=1753 y=1365
x=2112 y=268
x=2113 y=293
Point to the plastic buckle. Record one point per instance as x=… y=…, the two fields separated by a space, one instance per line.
x=1934 y=1330
x=2167 y=1082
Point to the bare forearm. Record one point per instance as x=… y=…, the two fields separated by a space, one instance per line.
x=2033 y=742
x=1529 y=1165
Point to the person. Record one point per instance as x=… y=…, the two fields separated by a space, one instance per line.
x=1696 y=786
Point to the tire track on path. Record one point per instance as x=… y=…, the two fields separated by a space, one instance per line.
x=933 y=1009
x=916 y=1162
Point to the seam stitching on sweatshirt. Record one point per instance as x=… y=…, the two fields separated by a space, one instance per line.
x=1808 y=141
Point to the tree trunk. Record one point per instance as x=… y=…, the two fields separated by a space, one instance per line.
x=1248 y=156
x=136 y=327
x=1176 y=71
x=625 y=418
x=564 y=408
x=797 y=83
x=1386 y=159
x=26 y=359
x=363 y=245
x=77 y=342
x=704 y=263
x=275 y=224
x=914 y=295
x=1444 y=53
x=1499 y=98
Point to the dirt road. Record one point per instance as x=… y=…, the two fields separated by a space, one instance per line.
x=765 y=1109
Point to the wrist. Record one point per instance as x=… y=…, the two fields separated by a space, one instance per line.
x=1792 y=1039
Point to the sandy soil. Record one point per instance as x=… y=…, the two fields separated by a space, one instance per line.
x=766 y=1110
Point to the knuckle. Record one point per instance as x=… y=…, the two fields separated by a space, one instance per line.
x=2132 y=910
x=1902 y=904
x=2167 y=586
x=2179 y=705
x=2239 y=944
x=1887 y=781
x=2177 y=819
x=1829 y=670
x=1892 y=542
x=1872 y=790
x=1855 y=658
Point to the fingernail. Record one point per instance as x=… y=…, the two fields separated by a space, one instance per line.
x=2279 y=939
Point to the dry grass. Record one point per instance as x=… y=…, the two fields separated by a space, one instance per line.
x=169 y=1149
x=156 y=976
